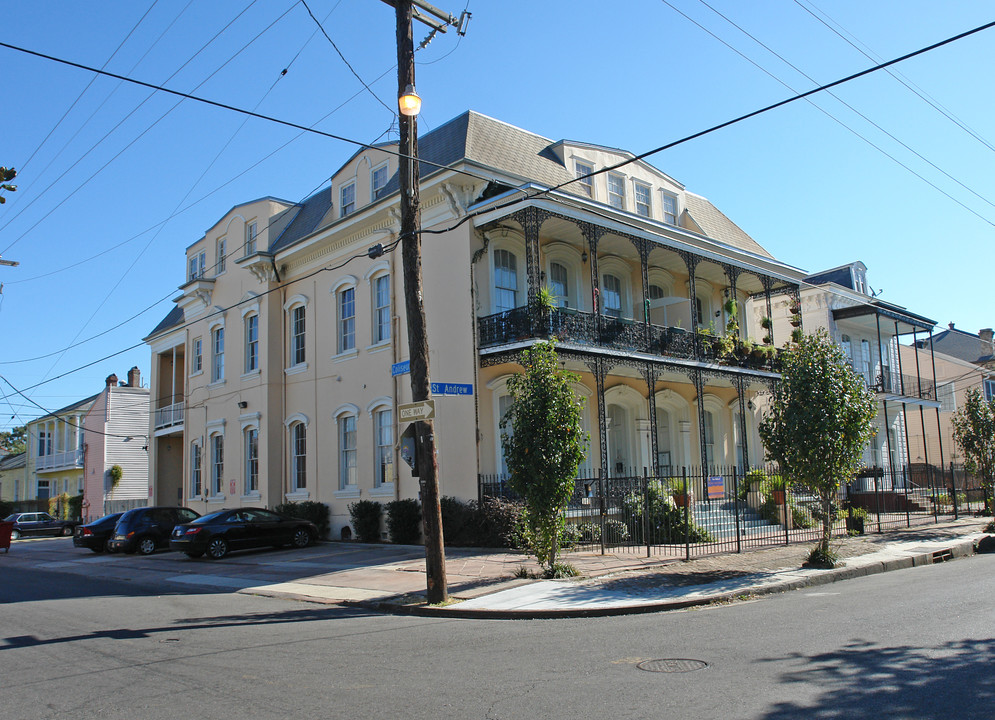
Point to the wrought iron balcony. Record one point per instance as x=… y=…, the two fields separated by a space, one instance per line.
x=906 y=386
x=584 y=328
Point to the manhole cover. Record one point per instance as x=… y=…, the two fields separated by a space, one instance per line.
x=672 y=665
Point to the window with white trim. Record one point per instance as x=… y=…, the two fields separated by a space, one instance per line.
x=611 y=295
x=644 y=198
x=616 y=191
x=505 y=280
x=250 y=238
x=383 y=432
x=298 y=456
x=989 y=388
x=347 y=319
x=251 y=443
x=947 y=396
x=585 y=182
x=217 y=464
x=251 y=343
x=378 y=180
x=198 y=265
x=669 y=208
x=297 y=335
x=347 y=199
x=347 y=452
x=197 y=350
x=381 y=308
x=219 y=265
x=218 y=354
x=559 y=284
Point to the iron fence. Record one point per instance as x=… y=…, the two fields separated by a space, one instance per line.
x=695 y=511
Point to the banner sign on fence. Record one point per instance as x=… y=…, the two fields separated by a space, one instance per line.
x=716 y=487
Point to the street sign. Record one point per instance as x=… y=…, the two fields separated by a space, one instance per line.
x=451 y=389
x=401 y=368
x=413 y=412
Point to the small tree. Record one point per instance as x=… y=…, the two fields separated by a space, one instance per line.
x=818 y=423
x=544 y=447
x=974 y=430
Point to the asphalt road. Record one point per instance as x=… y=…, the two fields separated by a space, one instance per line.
x=911 y=644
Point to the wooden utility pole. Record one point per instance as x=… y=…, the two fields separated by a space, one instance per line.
x=428 y=467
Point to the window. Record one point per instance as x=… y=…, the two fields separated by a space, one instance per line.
x=44 y=442
x=298 y=456
x=504 y=406
x=670 y=209
x=945 y=394
x=989 y=387
x=847 y=348
x=44 y=490
x=297 y=336
x=251 y=343
x=218 y=354
x=378 y=179
x=505 y=280
x=198 y=356
x=384 y=435
x=616 y=191
x=220 y=265
x=865 y=359
x=347 y=199
x=198 y=265
x=251 y=460
x=559 y=284
x=196 y=487
x=586 y=182
x=250 y=238
x=644 y=205
x=347 y=452
x=611 y=294
x=347 y=319
x=381 y=309
x=217 y=464
x=709 y=420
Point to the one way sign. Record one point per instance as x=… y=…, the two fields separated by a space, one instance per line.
x=413 y=412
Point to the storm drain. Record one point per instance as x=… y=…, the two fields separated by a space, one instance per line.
x=672 y=665
x=942 y=555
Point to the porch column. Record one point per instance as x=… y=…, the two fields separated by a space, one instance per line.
x=685 y=427
x=741 y=393
x=699 y=386
x=766 y=282
x=172 y=384
x=732 y=272
x=643 y=248
x=592 y=234
x=691 y=261
x=922 y=413
x=936 y=396
x=599 y=370
x=650 y=374
x=905 y=411
x=643 y=433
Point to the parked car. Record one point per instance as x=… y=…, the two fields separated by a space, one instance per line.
x=148 y=528
x=38 y=523
x=220 y=532
x=96 y=535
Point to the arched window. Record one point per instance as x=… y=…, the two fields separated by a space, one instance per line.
x=250 y=442
x=559 y=284
x=298 y=456
x=611 y=295
x=344 y=291
x=217 y=464
x=505 y=280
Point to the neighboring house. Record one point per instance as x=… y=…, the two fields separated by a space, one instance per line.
x=54 y=464
x=117 y=427
x=868 y=329
x=272 y=379
x=978 y=350
x=954 y=377
x=12 y=477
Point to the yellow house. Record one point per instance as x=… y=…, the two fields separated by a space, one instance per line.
x=12 y=477
x=54 y=462
x=278 y=375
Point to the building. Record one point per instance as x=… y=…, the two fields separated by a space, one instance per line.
x=54 y=464
x=868 y=329
x=116 y=433
x=278 y=375
x=12 y=477
x=978 y=350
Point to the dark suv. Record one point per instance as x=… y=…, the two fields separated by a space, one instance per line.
x=148 y=528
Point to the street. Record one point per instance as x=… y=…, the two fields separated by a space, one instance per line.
x=915 y=643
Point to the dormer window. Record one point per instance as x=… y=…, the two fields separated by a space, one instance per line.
x=616 y=191
x=198 y=265
x=347 y=199
x=585 y=182
x=378 y=179
x=670 y=209
x=250 y=238
x=643 y=199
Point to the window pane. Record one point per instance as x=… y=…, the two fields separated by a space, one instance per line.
x=347 y=320
x=505 y=280
x=297 y=325
x=218 y=355
x=251 y=343
x=586 y=184
x=643 y=206
x=385 y=442
x=616 y=191
x=298 y=468
x=347 y=451
x=670 y=209
x=611 y=292
x=559 y=285
x=381 y=305
x=251 y=460
x=347 y=195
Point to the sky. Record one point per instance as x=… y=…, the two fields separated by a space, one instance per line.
x=116 y=180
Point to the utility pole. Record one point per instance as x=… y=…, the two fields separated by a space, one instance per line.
x=428 y=467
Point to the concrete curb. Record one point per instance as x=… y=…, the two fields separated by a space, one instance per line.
x=808 y=578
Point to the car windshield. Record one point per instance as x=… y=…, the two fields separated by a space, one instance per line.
x=210 y=517
x=11 y=518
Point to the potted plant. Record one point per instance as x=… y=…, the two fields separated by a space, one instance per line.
x=855 y=518
x=796 y=335
x=766 y=323
x=795 y=306
x=776 y=487
x=680 y=491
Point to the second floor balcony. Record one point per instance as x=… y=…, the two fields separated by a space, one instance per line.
x=169 y=417
x=71 y=459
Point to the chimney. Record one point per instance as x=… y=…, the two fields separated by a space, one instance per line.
x=134 y=377
x=986 y=341
x=950 y=325
x=111 y=380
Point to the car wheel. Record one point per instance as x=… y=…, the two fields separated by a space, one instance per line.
x=67 y=531
x=195 y=554
x=146 y=545
x=217 y=548
x=107 y=546
x=15 y=534
x=302 y=538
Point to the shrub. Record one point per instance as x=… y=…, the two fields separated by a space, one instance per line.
x=365 y=515
x=6 y=509
x=316 y=512
x=615 y=532
x=493 y=523
x=666 y=521
x=459 y=521
x=403 y=518
x=75 y=507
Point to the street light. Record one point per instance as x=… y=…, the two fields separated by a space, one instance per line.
x=9 y=263
x=409 y=102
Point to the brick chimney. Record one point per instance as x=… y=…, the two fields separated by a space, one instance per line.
x=134 y=377
x=986 y=341
x=111 y=380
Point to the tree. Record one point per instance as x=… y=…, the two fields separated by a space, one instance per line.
x=974 y=431
x=13 y=441
x=544 y=447
x=818 y=422
x=6 y=175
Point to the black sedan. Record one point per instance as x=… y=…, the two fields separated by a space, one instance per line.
x=220 y=532
x=38 y=523
x=96 y=535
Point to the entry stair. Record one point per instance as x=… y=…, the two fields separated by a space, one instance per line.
x=719 y=519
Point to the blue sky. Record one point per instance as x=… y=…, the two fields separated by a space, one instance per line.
x=635 y=75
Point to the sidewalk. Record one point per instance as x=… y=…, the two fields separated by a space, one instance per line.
x=482 y=584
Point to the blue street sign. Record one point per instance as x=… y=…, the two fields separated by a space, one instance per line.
x=400 y=368
x=451 y=389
